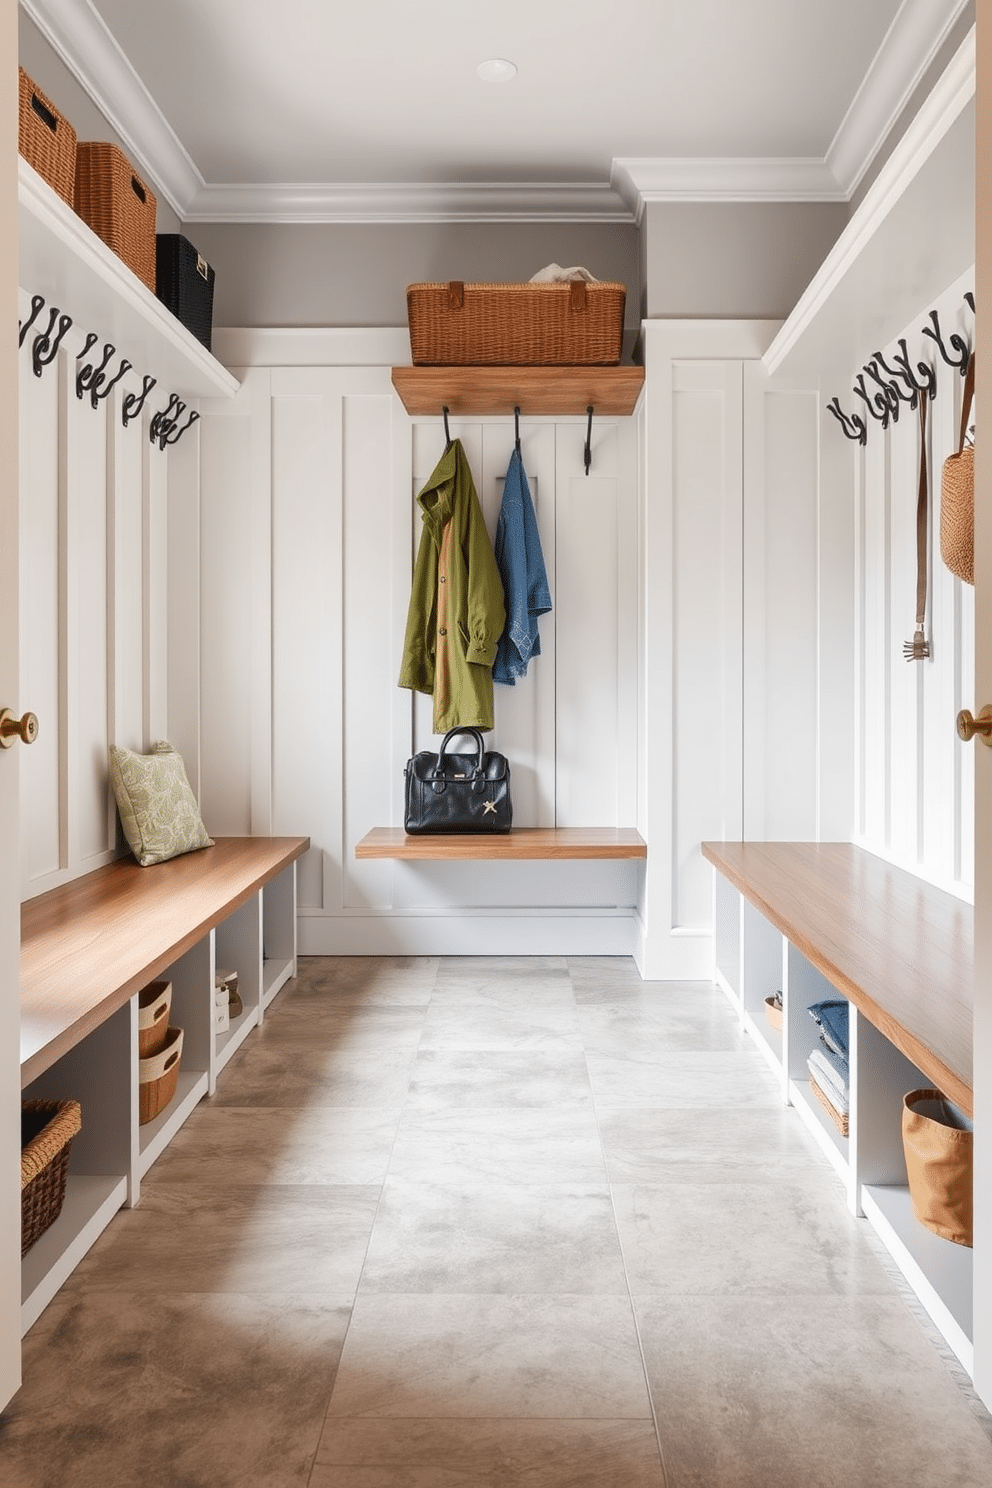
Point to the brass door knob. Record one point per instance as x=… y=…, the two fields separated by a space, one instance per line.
x=12 y=728
x=968 y=726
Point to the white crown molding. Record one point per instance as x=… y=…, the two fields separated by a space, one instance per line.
x=916 y=35
x=78 y=35
x=452 y=201
x=639 y=180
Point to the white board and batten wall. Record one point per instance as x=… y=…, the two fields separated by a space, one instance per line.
x=309 y=478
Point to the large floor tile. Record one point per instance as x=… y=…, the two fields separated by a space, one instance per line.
x=499 y=1145
x=661 y=1021
x=494 y=1237
x=441 y=1355
x=170 y=1391
x=223 y=1145
x=811 y=1391
x=267 y=1075
x=441 y=1453
x=651 y=1077
x=306 y=1239
x=791 y=1238
x=708 y=1146
x=313 y=1022
x=367 y=981
x=460 y=1078
x=480 y=1024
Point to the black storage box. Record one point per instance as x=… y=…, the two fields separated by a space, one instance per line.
x=184 y=282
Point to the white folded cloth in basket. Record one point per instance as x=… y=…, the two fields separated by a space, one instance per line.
x=555 y=274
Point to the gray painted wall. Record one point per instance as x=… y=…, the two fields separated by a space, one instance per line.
x=734 y=259
x=351 y=274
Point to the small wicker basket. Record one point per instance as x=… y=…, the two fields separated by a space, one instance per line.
x=840 y=1121
x=46 y=139
x=158 y=1077
x=47 y=1130
x=154 y=1002
x=516 y=325
x=114 y=201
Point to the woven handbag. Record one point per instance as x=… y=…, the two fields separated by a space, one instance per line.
x=458 y=792
x=957 y=495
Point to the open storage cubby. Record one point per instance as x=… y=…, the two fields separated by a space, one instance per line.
x=827 y=921
x=84 y=962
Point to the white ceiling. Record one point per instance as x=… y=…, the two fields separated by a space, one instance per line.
x=318 y=109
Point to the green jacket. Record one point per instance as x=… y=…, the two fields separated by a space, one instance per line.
x=456 y=611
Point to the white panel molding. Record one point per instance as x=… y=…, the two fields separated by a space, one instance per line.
x=581 y=932
x=321 y=346
x=917 y=33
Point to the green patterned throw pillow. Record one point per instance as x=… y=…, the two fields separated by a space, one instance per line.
x=158 y=810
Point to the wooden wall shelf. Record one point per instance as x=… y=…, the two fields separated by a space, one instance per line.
x=546 y=391
x=522 y=842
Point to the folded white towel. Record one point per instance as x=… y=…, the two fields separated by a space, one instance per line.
x=827 y=1079
x=555 y=274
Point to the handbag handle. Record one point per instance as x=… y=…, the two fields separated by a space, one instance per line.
x=453 y=734
x=966 y=400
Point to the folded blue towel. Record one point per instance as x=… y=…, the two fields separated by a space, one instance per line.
x=832 y=1021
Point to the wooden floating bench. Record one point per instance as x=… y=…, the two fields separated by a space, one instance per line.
x=89 y=945
x=521 y=843
x=899 y=949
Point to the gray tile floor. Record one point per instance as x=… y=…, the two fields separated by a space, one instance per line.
x=472 y=1223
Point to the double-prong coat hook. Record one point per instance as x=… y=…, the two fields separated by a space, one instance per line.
x=25 y=325
x=587 y=452
x=87 y=371
x=516 y=428
x=879 y=405
x=447 y=432
x=133 y=403
x=854 y=427
x=904 y=371
x=101 y=386
x=163 y=422
x=174 y=433
x=956 y=342
x=46 y=346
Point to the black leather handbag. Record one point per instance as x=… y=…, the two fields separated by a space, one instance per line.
x=458 y=792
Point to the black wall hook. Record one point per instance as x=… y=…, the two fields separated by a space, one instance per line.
x=46 y=347
x=853 y=426
x=516 y=428
x=175 y=433
x=587 y=452
x=133 y=403
x=957 y=344
x=877 y=404
x=164 y=421
x=86 y=375
x=896 y=385
x=447 y=431
x=971 y=300
x=100 y=387
x=891 y=391
x=36 y=303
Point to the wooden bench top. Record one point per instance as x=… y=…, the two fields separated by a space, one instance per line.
x=521 y=842
x=899 y=949
x=89 y=945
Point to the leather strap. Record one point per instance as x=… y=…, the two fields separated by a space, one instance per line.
x=966 y=400
x=456 y=294
x=921 y=517
x=578 y=298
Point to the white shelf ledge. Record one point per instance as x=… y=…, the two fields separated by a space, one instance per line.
x=62 y=259
x=914 y=230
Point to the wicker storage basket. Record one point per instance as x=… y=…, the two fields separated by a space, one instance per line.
x=114 y=201
x=47 y=1130
x=159 y=1076
x=154 y=1002
x=46 y=139
x=516 y=325
x=840 y=1121
x=185 y=284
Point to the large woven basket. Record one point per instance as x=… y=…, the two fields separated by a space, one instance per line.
x=46 y=139
x=516 y=325
x=47 y=1130
x=114 y=201
x=158 y=1077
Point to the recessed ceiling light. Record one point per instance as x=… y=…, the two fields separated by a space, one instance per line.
x=497 y=70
